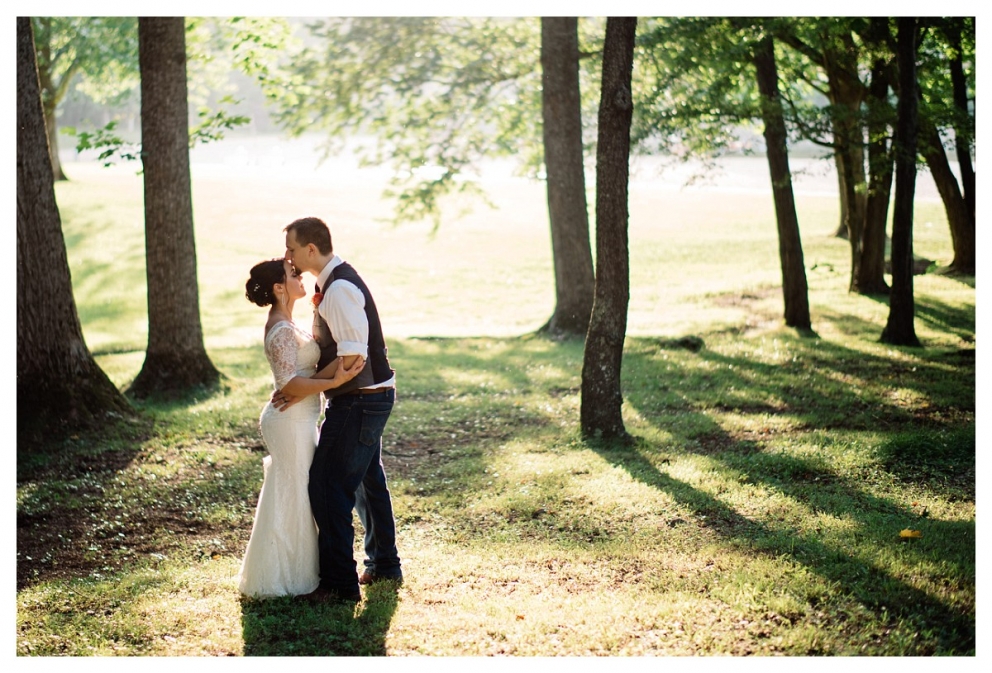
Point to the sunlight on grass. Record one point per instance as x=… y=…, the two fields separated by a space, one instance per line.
x=168 y=610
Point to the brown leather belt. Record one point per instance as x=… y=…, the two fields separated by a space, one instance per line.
x=371 y=391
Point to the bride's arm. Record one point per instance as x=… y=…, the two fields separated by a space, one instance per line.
x=301 y=386
x=281 y=349
x=347 y=361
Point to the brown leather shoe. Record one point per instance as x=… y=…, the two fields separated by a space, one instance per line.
x=369 y=577
x=321 y=595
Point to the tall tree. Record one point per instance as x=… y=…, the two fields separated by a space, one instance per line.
x=700 y=96
x=59 y=385
x=946 y=109
x=176 y=358
x=602 y=397
x=831 y=45
x=955 y=31
x=900 y=329
x=794 y=287
x=566 y=184
x=102 y=50
x=871 y=273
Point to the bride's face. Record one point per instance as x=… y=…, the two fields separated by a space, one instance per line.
x=294 y=281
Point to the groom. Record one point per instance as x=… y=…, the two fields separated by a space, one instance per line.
x=346 y=472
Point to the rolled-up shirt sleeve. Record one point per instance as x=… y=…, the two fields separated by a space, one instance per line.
x=343 y=307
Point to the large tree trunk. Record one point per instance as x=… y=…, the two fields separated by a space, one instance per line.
x=176 y=359
x=871 y=274
x=571 y=252
x=794 y=287
x=900 y=329
x=59 y=385
x=602 y=399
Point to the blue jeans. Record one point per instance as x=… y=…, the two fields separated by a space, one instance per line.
x=346 y=474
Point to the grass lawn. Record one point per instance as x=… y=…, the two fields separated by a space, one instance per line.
x=784 y=495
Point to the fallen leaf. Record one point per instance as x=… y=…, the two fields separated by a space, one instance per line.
x=907 y=533
x=520 y=616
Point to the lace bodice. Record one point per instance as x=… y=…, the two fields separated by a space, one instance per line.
x=291 y=352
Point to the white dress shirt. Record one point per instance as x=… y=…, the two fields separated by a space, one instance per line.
x=343 y=308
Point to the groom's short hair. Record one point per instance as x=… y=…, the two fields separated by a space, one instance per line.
x=312 y=230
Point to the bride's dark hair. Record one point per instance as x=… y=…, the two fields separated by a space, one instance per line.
x=264 y=276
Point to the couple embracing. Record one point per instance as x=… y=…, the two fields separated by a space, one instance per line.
x=303 y=537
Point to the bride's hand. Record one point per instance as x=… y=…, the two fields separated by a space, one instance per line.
x=282 y=400
x=342 y=375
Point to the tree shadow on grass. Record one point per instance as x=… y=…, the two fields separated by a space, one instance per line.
x=284 y=627
x=951 y=274
x=952 y=319
x=78 y=515
x=824 y=387
x=63 y=483
x=864 y=581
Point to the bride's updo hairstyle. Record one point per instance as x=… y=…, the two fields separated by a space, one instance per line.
x=264 y=276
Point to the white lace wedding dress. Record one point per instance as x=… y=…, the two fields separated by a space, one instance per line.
x=281 y=558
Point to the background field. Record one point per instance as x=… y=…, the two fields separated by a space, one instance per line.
x=687 y=242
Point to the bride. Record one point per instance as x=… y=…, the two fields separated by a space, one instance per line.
x=281 y=558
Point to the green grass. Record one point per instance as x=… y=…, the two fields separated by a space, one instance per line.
x=758 y=511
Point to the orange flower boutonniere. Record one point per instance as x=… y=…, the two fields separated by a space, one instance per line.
x=317 y=298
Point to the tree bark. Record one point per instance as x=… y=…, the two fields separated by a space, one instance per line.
x=600 y=412
x=871 y=274
x=176 y=359
x=899 y=329
x=567 y=208
x=60 y=387
x=794 y=286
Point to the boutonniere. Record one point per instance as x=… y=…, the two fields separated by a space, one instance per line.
x=317 y=298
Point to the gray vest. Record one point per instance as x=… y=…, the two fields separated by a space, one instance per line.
x=376 y=368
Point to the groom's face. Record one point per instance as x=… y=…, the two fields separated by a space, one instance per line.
x=296 y=254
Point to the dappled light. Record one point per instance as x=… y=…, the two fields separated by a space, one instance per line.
x=699 y=446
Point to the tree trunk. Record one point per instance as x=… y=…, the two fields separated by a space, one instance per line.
x=900 y=329
x=59 y=386
x=963 y=133
x=600 y=412
x=794 y=287
x=841 y=231
x=846 y=94
x=176 y=359
x=49 y=90
x=51 y=127
x=871 y=274
x=962 y=225
x=569 y=215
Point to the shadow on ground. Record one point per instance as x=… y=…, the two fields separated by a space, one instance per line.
x=284 y=627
